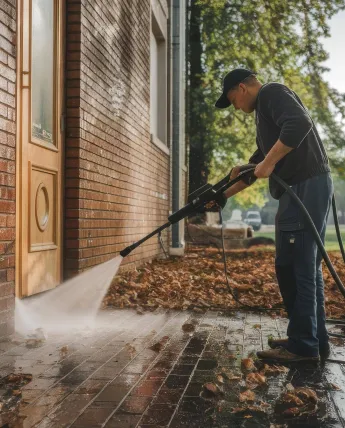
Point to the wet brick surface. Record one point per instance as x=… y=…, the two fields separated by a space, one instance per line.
x=146 y=371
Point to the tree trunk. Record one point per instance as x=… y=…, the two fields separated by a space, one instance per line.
x=198 y=165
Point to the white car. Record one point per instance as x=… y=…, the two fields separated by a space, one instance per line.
x=253 y=218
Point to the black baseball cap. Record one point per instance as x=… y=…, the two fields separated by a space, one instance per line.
x=230 y=81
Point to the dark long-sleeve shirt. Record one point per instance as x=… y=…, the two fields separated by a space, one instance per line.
x=281 y=115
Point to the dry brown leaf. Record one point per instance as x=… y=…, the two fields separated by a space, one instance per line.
x=333 y=386
x=247 y=364
x=220 y=379
x=291 y=398
x=253 y=409
x=271 y=370
x=188 y=327
x=291 y=412
x=247 y=396
x=157 y=347
x=211 y=388
x=307 y=394
x=289 y=387
x=231 y=376
x=254 y=380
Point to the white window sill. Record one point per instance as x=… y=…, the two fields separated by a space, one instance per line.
x=158 y=143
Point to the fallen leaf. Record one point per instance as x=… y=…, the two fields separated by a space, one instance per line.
x=289 y=387
x=220 y=379
x=247 y=364
x=247 y=396
x=211 y=388
x=289 y=398
x=307 y=394
x=157 y=347
x=271 y=370
x=34 y=343
x=333 y=386
x=291 y=412
x=188 y=327
x=64 y=350
x=228 y=374
x=254 y=380
x=253 y=410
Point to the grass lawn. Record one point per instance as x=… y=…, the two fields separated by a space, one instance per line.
x=331 y=237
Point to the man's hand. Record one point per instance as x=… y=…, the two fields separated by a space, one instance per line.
x=234 y=172
x=263 y=169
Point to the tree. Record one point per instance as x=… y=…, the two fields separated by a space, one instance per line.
x=279 y=40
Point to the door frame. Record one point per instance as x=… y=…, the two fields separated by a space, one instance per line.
x=59 y=106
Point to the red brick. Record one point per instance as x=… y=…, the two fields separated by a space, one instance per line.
x=7 y=207
x=10 y=275
x=6 y=288
x=7 y=234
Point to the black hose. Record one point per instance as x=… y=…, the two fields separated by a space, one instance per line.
x=314 y=231
x=337 y=228
x=318 y=242
x=162 y=244
x=244 y=305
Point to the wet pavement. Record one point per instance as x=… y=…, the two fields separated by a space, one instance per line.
x=150 y=370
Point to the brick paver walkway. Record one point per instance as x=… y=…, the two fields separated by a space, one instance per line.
x=111 y=378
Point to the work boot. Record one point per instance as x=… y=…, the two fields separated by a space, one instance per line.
x=282 y=355
x=324 y=348
x=277 y=343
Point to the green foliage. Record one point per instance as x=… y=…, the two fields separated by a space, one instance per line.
x=281 y=40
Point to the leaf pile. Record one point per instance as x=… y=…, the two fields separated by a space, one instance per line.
x=297 y=402
x=11 y=394
x=197 y=281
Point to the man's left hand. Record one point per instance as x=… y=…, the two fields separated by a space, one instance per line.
x=263 y=170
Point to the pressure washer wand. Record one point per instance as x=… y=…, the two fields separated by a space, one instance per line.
x=198 y=199
x=132 y=247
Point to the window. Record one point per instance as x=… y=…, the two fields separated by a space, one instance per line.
x=158 y=82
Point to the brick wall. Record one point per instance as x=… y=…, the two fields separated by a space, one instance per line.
x=7 y=162
x=117 y=180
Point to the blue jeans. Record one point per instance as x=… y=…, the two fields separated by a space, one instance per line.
x=298 y=264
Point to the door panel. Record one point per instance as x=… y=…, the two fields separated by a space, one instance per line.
x=40 y=150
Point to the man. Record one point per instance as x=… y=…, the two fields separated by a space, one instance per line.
x=289 y=145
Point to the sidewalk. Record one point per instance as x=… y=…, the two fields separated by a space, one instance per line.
x=148 y=371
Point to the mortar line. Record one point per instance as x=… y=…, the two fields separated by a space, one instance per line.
x=42 y=348
x=97 y=352
x=60 y=361
x=118 y=374
x=191 y=375
x=172 y=368
x=75 y=341
x=146 y=371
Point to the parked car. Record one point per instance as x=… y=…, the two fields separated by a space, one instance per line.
x=253 y=218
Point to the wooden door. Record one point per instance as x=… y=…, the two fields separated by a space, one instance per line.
x=39 y=154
